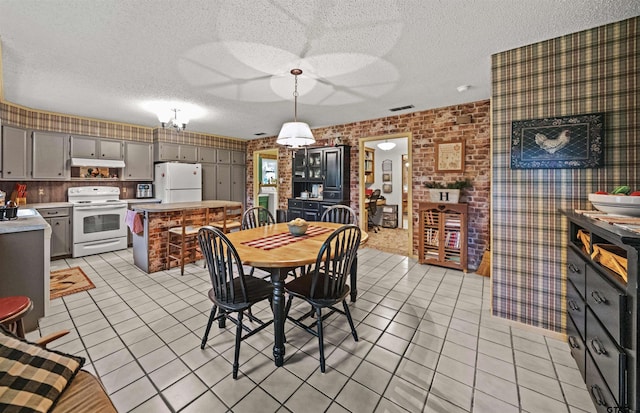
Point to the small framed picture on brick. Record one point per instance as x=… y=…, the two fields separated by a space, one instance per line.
x=450 y=156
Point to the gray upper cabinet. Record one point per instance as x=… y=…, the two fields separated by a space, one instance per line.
x=167 y=152
x=163 y=151
x=206 y=155
x=111 y=149
x=84 y=147
x=138 y=160
x=223 y=156
x=90 y=147
x=14 y=153
x=188 y=153
x=238 y=158
x=49 y=155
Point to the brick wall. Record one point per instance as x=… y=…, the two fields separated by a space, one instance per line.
x=426 y=128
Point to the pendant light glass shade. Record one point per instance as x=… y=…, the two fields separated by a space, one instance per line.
x=295 y=134
x=386 y=145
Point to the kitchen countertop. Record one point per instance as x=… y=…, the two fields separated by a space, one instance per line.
x=31 y=222
x=177 y=206
x=143 y=201
x=48 y=205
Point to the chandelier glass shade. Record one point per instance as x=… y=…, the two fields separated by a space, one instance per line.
x=173 y=122
x=295 y=134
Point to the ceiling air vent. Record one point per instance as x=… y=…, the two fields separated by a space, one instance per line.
x=401 y=108
x=259 y=134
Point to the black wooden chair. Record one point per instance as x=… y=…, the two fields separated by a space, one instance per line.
x=230 y=294
x=372 y=208
x=340 y=214
x=255 y=217
x=325 y=286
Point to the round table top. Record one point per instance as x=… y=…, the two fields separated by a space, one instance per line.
x=292 y=255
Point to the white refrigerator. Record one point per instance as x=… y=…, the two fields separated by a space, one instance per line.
x=178 y=182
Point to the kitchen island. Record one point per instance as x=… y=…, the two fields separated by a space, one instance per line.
x=150 y=246
x=25 y=244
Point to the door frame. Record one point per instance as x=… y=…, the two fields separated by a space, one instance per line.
x=361 y=184
x=256 y=174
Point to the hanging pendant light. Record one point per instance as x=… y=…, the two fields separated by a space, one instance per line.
x=386 y=145
x=295 y=134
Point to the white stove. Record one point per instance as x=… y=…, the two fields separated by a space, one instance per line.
x=98 y=220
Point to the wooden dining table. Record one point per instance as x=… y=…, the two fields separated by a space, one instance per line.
x=280 y=260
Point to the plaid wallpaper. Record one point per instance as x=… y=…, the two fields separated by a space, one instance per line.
x=591 y=71
x=19 y=116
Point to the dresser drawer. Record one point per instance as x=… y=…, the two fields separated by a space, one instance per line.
x=576 y=308
x=54 y=212
x=608 y=357
x=576 y=345
x=333 y=195
x=600 y=394
x=608 y=303
x=311 y=205
x=576 y=267
x=294 y=203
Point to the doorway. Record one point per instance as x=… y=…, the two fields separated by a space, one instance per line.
x=266 y=179
x=391 y=173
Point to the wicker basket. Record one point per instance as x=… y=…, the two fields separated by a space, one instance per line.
x=585 y=237
x=612 y=257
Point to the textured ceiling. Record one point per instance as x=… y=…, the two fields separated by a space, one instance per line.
x=225 y=63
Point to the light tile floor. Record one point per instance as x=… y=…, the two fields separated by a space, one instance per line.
x=427 y=343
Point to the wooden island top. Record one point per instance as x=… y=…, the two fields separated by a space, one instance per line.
x=179 y=206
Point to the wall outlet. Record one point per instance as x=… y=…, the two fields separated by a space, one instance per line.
x=41 y=191
x=124 y=190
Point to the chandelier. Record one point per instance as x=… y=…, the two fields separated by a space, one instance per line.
x=295 y=134
x=174 y=123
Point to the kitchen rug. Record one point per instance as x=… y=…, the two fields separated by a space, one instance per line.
x=68 y=281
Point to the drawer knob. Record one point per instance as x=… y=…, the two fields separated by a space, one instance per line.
x=573 y=343
x=598 y=298
x=573 y=306
x=597 y=395
x=596 y=345
x=573 y=268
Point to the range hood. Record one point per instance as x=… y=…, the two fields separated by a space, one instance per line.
x=98 y=163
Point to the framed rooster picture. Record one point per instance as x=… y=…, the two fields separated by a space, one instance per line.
x=567 y=142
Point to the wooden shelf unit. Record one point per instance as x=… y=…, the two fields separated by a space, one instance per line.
x=443 y=234
x=369 y=163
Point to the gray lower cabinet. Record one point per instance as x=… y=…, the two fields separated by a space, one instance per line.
x=14 y=153
x=223 y=181
x=238 y=187
x=138 y=160
x=209 y=184
x=60 y=221
x=50 y=154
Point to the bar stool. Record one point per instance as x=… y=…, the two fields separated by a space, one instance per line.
x=182 y=242
x=12 y=311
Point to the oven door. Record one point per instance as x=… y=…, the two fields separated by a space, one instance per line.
x=98 y=222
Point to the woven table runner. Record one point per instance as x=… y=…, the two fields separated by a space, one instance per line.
x=285 y=238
